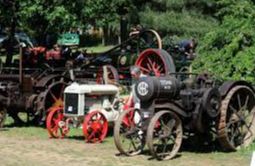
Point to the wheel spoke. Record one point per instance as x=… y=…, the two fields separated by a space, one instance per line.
x=164 y=147
x=149 y=67
x=91 y=135
x=134 y=145
x=239 y=101
x=162 y=141
x=55 y=129
x=128 y=139
x=101 y=119
x=144 y=69
x=55 y=120
x=246 y=102
x=238 y=125
x=62 y=91
x=233 y=109
x=150 y=62
x=53 y=96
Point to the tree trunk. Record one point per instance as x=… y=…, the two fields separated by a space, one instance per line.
x=11 y=37
x=105 y=36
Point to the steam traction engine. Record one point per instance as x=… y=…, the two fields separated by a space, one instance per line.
x=89 y=106
x=31 y=91
x=34 y=90
x=170 y=108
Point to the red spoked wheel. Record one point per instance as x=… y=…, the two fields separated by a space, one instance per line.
x=155 y=62
x=95 y=127
x=112 y=76
x=56 y=125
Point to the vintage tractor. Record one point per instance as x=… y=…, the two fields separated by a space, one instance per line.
x=35 y=88
x=85 y=103
x=89 y=106
x=120 y=57
x=173 y=108
x=30 y=90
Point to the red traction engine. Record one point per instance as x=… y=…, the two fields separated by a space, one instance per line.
x=90 y=107
x=173 y=109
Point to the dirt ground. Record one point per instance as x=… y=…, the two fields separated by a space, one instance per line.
x=31 y=146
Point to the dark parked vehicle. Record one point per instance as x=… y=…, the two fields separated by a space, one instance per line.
x=19 y=37
x=181 y=105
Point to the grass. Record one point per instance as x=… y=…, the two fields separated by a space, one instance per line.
x=32 y=146
x=98 y=49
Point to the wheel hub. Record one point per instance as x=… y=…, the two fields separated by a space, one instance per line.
x=61 y=124
x=58 y=103
x=96 y=126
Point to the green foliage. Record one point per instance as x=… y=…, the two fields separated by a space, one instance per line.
x=41 y=17
x=184 y=18
x=185 y=24
x=229 y=50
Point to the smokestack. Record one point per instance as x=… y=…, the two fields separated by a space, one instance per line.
x=123 y=28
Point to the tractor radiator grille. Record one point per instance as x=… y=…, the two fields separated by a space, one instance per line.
x=71 y=104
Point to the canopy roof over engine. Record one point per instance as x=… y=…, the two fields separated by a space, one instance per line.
x=101 y=89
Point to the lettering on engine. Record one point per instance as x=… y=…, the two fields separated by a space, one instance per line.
x=166 y=84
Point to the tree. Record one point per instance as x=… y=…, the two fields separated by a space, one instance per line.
x=8 y=10
x=46 y=17
x=228 y=50
x=183 y=18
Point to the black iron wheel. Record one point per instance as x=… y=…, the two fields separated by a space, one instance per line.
x=149 y=39
x=164 y=135
x=53 y=96
x=112 y=76
x=128 y=135
x=236 y=127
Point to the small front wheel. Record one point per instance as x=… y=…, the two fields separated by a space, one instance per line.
x=95 y=127
x=56 y=125
x=164 y=135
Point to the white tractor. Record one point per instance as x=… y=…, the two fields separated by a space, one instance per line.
x=90 y=107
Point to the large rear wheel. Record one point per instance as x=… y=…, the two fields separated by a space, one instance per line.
x=111 y=76
x=236 y=127
x=149 y=39
x=52 y=96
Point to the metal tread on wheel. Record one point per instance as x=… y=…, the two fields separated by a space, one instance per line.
x=164 y=135
x=128 y=135
x=236 y=127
